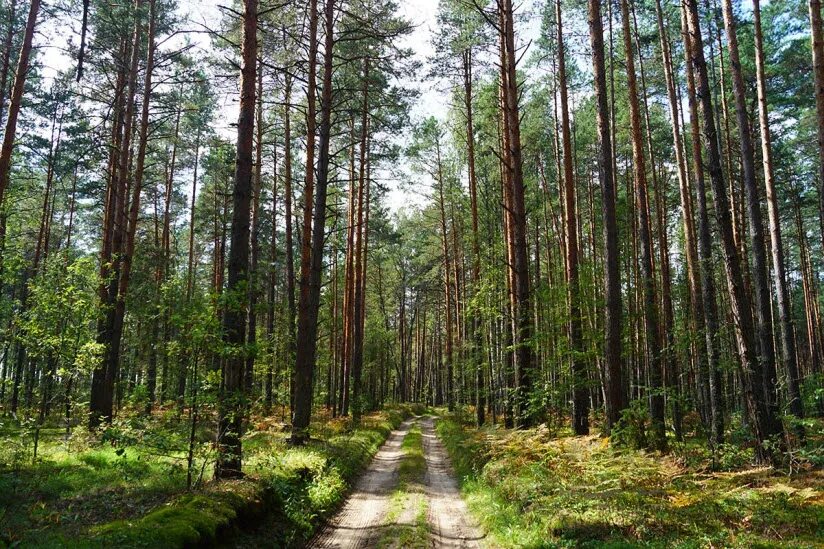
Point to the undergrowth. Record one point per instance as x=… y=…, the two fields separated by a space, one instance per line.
x=531 y=490
x=88 y=491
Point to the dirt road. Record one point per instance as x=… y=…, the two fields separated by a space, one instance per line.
x=360 y=522
x=363 y=518
x=449 y=522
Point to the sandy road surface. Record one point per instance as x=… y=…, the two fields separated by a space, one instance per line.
x=449 y=523
x=362 y=520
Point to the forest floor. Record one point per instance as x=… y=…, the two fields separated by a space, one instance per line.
x=126 y=486
x=537 y=489
x=439 y=483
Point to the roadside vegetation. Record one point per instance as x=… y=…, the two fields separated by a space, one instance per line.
x=109 y=490
x=531 y=489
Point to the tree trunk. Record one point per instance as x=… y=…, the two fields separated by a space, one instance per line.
x=254 y=284
x=760 y=269
x=652 y=333
x=580 y=394
x=291 y=307
x=450 y=396
x=16 y=98
x=477 y=329
x=764 y=423
x=105 y=375
x=360 y=251
x=5 y=66
x=615 y=395
x=817 y=39
x=232 y=394
x=523 y=322
x=787 y=333
x=709 y=306
x=311 y=267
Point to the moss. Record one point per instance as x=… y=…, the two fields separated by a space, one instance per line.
x=191 y=520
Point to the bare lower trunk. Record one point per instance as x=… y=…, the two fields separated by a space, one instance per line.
x=787 y=335
x=760 y=271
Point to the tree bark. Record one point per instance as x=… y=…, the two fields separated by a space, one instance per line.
x=615 y=394
x=785 y=323
x=709 y=306
x=763 y=422
x=652 y=333
x=580 y=393
x=359 y=273
x=312 y=254
x=524 y=415
x=817 y=40
x=760 y=269
x=232 y=395
x=16 y=98
x=110 y=329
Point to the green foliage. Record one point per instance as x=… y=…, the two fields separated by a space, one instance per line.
x=631 y=428
x=125 y=486
x=529 y=490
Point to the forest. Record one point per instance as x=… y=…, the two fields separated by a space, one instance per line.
x=425 y=273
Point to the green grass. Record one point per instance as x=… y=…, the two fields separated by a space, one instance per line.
x=128 y=491
x=530 y=490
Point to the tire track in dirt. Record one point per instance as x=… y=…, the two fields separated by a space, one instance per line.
x=449 y=522
x=360 y=522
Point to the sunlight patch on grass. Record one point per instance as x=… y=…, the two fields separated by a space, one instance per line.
x=530 y=490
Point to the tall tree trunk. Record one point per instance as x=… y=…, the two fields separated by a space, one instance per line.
x=349 y=287
x=291 y=307
x=477 y=329
x=450 y=395
x=5 y=65
x=615 y=395
x=254 y=284
x=685 y=194
x=105 y=375
x=360 y=251
x=312 y=253
x=269 y=385
x=760 y=269
x=651 y=329
x=232 y=394
x=523 y=322
x=580 y=397
x=817 y=40
x=705 y=263
x=16 y=98
x=764 y=423
x=787 y=334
